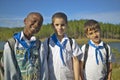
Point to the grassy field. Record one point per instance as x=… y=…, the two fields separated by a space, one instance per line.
x=116 y=65
x=116 y=72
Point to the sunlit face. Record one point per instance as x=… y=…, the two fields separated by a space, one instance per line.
x=59 y=26
x=33 y=24
x=94 y=35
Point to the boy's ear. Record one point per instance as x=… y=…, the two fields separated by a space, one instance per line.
x=52 y=25
x=25 y=21
x=87 y=35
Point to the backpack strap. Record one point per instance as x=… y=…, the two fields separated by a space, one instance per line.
x=48 y=41
x=71 y=42
x=11 y=43
x=38 y=43
x=107 y=57
x=85 y=55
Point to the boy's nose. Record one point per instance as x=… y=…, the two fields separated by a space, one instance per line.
x=94 y=34
x=59 y=26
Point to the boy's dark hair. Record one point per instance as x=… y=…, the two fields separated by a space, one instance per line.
x=91 y=25
x=36 y=13
x=59 y=15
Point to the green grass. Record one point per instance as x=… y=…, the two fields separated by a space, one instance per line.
x=116 y=73
x=116 y=65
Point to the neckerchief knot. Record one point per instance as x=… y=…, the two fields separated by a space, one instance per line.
x=61 y=46
x=97 y=51
x=27 y=54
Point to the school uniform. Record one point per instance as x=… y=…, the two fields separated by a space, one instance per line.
x=23 y=66
x=60 y=64
x=95 y=67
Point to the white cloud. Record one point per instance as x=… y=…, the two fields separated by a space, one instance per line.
x=107 y=17
x=18 y=22
x=11 y=22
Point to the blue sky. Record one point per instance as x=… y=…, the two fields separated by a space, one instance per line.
x=13 y=12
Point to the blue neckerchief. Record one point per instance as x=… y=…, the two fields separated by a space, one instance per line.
x=24 y=44
x=54 y=38
x=97 y=51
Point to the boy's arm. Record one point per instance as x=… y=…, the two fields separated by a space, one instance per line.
x=43 y=62
x=110 y=71
x=76 y=68
x=81 y=70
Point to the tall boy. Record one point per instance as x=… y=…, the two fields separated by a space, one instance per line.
x=97 y=57
x=23 y=63
x=63 y=53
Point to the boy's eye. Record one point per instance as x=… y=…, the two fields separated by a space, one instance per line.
x=62 y=24
x=90 y=33
x=96 y=30
x=59 y=24
x=56 y=24
x=34 y=21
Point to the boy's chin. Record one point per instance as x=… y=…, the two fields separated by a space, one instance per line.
x=60 y=34
x=97 y=41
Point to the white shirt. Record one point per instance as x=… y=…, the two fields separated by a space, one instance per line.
x=93 y=71
x=57 y=70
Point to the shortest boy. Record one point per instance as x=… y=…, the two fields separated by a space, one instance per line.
x=97 y=57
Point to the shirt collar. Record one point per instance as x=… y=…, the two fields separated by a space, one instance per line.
x=33 y=38
x=100 y=44
x=64 y=38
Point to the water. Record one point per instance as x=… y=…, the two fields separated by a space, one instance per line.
x=115 y=45
x=2 y=45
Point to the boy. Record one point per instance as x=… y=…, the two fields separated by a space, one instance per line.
x=97 y=66
x=23 y=63
x=63 y=53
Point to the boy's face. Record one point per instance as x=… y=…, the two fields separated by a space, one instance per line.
x=33 y=24
x=94 y=35
x=59 y=26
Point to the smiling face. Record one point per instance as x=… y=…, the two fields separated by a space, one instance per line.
x=93 y=31
x=33 y=23
x=59 y=26
x=94 y=35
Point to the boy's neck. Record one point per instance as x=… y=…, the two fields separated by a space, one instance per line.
x=97 y=43
x=27 y=35
x=60 y=37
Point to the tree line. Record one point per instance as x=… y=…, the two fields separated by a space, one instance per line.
x=75 y=30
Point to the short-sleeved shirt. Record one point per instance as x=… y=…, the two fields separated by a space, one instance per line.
x=27 y=70
x=57 y=70
x=94 y=71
